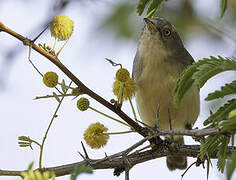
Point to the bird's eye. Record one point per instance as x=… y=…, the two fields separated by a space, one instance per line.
x=166 y=32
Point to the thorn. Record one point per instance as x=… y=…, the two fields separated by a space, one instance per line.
x=82 y=156
x=106 y=155
x=40 y=34
x=85 y=152
x=157 y=117
x=169 y=118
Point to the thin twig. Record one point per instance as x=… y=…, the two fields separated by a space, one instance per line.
x=108 y=116
x=46 y=133
x=113 y=63
x=29 y=58
x=52 y=96
x=127 y=174
x=132 y=107
x=118 y=133
x=182 y=175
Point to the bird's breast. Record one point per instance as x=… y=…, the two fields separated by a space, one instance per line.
x=155 y=86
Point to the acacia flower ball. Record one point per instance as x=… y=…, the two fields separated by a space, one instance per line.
x=128 y=89
x=61 y=27
x=122 y=75
x=50 y=79
x=94 y=135
x=83 y=104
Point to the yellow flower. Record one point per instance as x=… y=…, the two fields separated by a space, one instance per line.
x=122 y=75
x=232 y=113
x=61 y=27
x=94 y=135
x=50 y=79
x=38 y=175
x=83 y=104
x=129 y=88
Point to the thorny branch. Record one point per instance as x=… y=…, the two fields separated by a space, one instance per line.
x=117 y=160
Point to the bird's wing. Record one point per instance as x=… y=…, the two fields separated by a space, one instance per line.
x=137 y=67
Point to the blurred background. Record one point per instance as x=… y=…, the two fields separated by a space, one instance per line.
x=102 y=29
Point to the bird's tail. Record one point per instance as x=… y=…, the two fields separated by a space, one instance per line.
x=177 y=162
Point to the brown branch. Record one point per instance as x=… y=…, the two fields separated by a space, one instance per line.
x=193 y=132
x=113 y=162
x=83 y=88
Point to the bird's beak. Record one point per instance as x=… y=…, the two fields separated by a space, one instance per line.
x=150 y=25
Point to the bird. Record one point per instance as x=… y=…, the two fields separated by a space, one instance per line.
x=160 y=59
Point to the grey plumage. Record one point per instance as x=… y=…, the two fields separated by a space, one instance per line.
x=159 y=60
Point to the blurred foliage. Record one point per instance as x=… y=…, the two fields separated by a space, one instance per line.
x=153 y=6
x=121 y=20
x=223 y=7
x=183 y=14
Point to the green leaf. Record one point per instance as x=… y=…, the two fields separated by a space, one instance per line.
x=154 y=6
x=199 y=73
x=56 y=97
x=221 y=113
x=63 y=86
x=185 y=82
x=230 y=166
x=210 y=145
x=222 y=153
x=31 y=165
x=227 y=89
x=223 y=7
x=211 y=67
x=228 y=124
x=141 y=6
x=80 y=169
